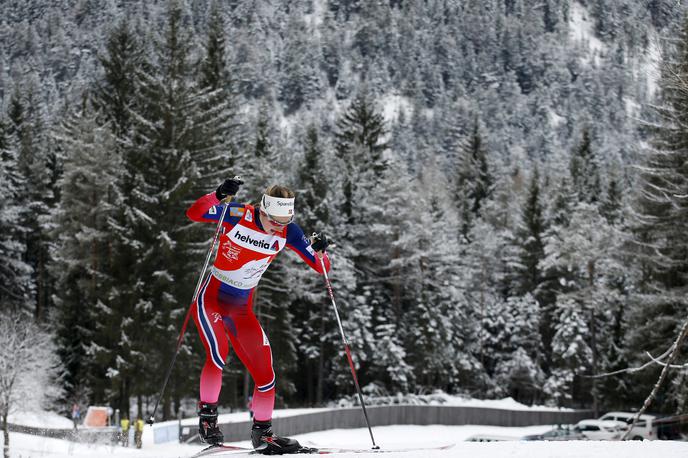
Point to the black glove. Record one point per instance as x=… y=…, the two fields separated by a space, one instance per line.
x=319 y=241
x=229 y=188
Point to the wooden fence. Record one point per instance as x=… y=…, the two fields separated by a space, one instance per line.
x=398 y=415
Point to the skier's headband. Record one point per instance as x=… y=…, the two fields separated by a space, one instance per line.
x=277 y=206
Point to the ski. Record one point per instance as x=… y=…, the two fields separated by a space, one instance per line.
x=217 y=449
x=228 y=450
x=327 y=451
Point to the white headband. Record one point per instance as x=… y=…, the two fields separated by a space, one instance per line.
x=277 y=206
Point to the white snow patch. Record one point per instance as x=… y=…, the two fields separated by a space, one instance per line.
x=556 y=120
x=581 y=25
x=40 y=419
x=506 y=403
x=652 y=67
x=393 y=104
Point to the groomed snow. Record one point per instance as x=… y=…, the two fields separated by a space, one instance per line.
x=388 y=437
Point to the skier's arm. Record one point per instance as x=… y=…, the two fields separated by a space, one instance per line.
x=208 y=209
x=299 y=244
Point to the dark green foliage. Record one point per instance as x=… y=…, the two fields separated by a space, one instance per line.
x=585 y=171
x=115 y=95
x=151 y=113
x=359 y=143
x=659 y=243
x=529 y=236
x=474 y=181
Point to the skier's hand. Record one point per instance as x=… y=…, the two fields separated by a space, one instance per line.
x=319 y=242
x=229 y=188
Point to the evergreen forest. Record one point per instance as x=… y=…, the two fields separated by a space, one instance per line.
x=505 y=182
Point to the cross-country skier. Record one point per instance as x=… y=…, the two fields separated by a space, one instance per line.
x=252 y=237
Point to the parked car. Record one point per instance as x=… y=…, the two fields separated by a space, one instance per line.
x=674 y=428
x=644 y=428
x=607 y=430
x=558 y=433
x=490 y=438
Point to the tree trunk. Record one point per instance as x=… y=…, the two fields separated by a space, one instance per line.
x=6 y=433
x=593 y=344
x=593 y=338
x=40 y=287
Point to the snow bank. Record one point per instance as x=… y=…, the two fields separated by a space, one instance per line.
x=41 y=419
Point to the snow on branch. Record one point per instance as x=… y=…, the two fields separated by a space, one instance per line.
x=661 y=363
x=675 y=348
x=631 y=370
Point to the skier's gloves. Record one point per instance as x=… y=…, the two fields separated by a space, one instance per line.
x=319 y=241
x=229 y=188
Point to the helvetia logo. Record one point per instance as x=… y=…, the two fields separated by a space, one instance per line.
x=275 y=246
x=258 y=243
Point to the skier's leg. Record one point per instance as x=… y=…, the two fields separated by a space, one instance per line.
x=211 y=330
x=252 y=347
x=206 y=315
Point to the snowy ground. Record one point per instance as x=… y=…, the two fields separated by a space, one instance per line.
x=388 y=437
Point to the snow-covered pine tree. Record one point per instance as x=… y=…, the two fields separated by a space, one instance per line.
x=526 y=275
x=582 y=251
x=318 y=334
x=658 y=217
x=360 y=144
x=39 y=169
x=15 y=272
x=473 y=179
x=115 y=95
x=585 y=171
x=88 y=327
x=440 y=338
x=556 y=278
x=517 y=371
x=389 y=259
x=115 y=357
x=359 y=141
x=571 y=352
x=165 y=160
x=217 y=136
x=300 y=79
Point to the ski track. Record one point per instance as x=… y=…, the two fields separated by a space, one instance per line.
x=388 y=437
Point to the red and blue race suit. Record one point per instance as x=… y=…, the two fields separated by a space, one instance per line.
x=224 y=308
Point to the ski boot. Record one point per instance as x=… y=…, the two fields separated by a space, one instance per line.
x=207 y=424
x=267 y=443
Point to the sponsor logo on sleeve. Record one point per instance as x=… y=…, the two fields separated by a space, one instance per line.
x=212 y=211
x=249 y=216
x=236 y=211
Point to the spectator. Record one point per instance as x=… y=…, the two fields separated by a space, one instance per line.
x=124 y=433
x=76 y=415
x=138 y=432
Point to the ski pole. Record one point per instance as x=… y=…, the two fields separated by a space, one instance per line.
x=180 y=339
x=348 y=352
